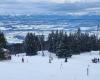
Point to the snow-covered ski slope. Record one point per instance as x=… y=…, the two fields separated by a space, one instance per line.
x=39 y=68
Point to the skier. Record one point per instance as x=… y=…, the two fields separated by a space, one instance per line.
x=87 y=71
x=98 y=59
x=49 y=60
x=99 y=52
x=22 y=60
x=15 y=54
x=66 y=59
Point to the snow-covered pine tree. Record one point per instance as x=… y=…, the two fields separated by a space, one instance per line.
x=3 y=43
x=30 y=44
x=61 y=50
x=51 y=43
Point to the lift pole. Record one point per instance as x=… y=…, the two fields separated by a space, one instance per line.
x=97 y=34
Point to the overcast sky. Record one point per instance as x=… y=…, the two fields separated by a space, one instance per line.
x=58 y=7
x=55 y=1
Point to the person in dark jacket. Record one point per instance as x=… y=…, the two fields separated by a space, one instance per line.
x=22 y=60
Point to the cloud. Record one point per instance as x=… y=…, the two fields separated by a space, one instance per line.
x=44 y=7
x=24 y=1
x=81 y=1
x=54 y=1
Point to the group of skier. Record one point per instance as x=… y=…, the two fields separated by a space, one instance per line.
x=22 y=59
x=96 y=60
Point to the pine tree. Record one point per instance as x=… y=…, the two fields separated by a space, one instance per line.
x=30 y=44
x=2 y=56
x=64 y=45
x=3 y=41
x=61 y=50
x=51 y=42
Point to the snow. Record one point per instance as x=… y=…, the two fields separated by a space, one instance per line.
x=2 y=28
x=38 y=68
x=21 y=30
x=12 y=36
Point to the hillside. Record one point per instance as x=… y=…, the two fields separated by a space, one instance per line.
x=38 y=68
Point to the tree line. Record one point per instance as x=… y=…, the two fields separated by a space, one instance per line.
x=64 y=44
x=59 y=42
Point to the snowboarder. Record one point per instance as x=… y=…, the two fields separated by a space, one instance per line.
x=22 y=60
